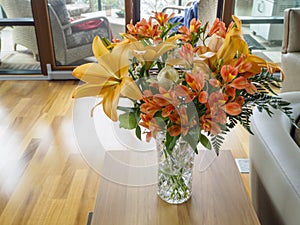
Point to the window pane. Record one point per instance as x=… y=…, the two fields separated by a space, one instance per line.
x=19 y=51
x=147 y=7
x=264 y=38
x=75 y=23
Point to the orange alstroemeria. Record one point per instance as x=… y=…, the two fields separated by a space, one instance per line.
x=218 y=104
x=208 y=125
x=162 y=18
x=187 y=33
x=228 y=73
x=195 y=25
x=149 y=123
x=233 y=108
x=107 y=79
x=181 y=123
x=144 y=29
x=218 y=28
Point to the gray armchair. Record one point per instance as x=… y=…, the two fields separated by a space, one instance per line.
x=70 y=42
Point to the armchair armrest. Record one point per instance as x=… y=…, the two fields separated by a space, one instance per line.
x=80 y=24
x=174 y=7
x=177 y=7
x=87 y=19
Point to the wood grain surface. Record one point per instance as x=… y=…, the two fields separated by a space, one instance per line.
x=219 y=197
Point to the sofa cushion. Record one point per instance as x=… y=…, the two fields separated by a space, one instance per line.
x=86 y=37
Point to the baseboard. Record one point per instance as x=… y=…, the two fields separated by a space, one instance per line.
x=59 y=75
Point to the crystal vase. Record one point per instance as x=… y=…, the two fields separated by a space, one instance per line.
x=175 y=170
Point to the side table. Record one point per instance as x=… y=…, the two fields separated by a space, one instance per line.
x=219 y=197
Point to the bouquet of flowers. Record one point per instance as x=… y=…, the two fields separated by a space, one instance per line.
x=196 y=82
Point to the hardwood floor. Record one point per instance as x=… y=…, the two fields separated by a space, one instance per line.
x=43 y=178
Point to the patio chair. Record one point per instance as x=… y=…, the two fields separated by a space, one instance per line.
x=207 y=10
x=73 y=39
x=24 y=36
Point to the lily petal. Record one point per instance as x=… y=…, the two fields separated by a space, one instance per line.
x=86 y=90
x=110 y=103
x=130 y=89
x=98 y=47
x=93 y=73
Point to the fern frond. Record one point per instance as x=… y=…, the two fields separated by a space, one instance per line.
x=265 y=102
x=266 y=81
x=217 y=141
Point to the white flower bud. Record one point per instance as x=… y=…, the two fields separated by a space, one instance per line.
x=167 y=76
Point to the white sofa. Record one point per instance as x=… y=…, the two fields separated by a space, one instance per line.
x=275 y=166
x=274 y=155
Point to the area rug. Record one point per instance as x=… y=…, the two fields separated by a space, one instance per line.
x=252 y=43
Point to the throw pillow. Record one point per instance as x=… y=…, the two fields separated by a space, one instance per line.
x=87 y=25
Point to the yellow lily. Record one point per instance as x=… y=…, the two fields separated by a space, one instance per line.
x=235 y=45
x=147 y=54
x=108 y=78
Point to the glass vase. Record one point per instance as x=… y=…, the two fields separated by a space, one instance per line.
x=175 y=170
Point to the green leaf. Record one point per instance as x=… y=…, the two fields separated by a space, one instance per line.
x=192 y=138
x=205 y=141
x=170 y=142
x=138 y=132
x=128 y=120
x=105 y=42
x=127 y=109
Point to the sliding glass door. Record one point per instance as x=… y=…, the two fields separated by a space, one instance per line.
x=38 y=36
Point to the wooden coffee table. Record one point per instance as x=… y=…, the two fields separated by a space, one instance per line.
x=219 y=197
